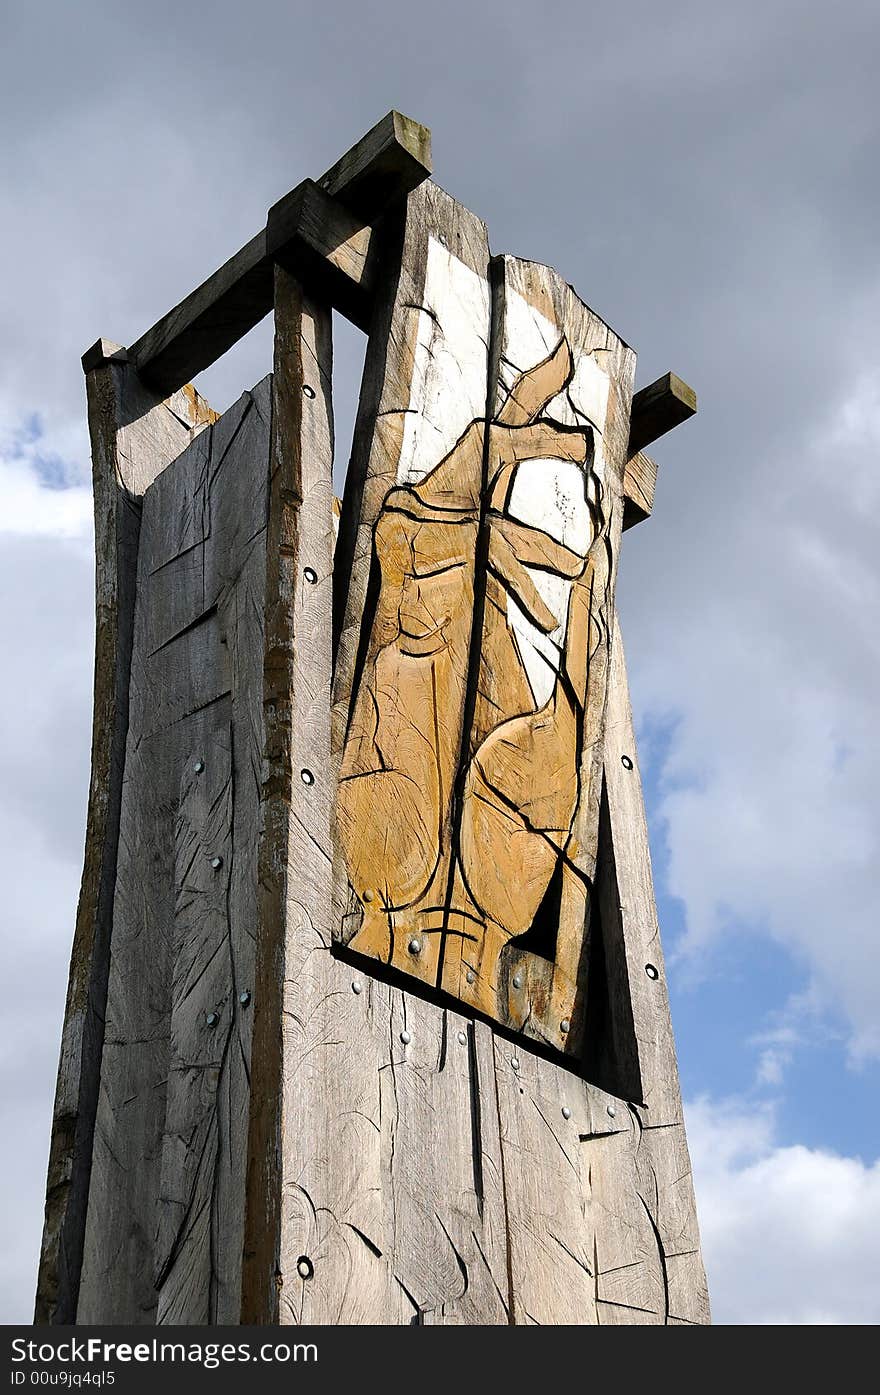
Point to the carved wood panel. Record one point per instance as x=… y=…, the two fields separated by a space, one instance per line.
x=468 y=799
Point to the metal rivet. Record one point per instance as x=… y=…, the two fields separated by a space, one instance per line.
x=308 y=391
x=217 y=863
x=611 y=1111
x=470 y=975
x=626 y=762
x=211 y=1019
x=514 y=1061
x=198 y=766
x=304 y=1267
x=651 y=971
x=310 y=575
x=367 y=895
x=414 y=946
x=517 y=980
x=565 y=1025
x=566 y=1112
x=405 y=1038
x=356 y=987
x=462 y=1038
x=307 y=777
x=244 y=998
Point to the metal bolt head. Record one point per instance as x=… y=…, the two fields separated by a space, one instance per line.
x=566 y=1112
x=244 y=997
x=470 y=975
x=652 y=971
x=307 y=777
x=626 y=762
x=367 y=895
x=414 y=946
x=217 y=862
x=211 y=1019
x=462 y=1038
x=514 y=1061
x=357 y=987
x=517 y=980
x=611 y=1111
x=308 y=391
x=565 y=1025
x=304 y=1267
x=198 y=766
x=405 y=1038
x=310 y=575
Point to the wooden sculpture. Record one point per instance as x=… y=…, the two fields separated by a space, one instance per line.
x=367 y=1019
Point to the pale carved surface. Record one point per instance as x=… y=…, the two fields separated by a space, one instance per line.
x=460 y=774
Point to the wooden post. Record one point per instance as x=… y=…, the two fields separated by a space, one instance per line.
x=367 y=1019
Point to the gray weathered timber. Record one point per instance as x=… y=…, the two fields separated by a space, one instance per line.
x=327 y=247
x=392 y=159
x=663 y=1183
x=658 y=408
x=164 y=1227
x=323 y=227
x=639 y=484
x=600 y=1207
x=385 y=1160
x=134 y=435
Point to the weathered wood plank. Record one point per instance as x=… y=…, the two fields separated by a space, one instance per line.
x=639 y=484
x=163 y=1239
x=324 y=238
x=134 y=436
x=327 y=247
x=662 y=1185
x=410 y=512
x=386 y=164
x=373 y=1191
x=658 y=408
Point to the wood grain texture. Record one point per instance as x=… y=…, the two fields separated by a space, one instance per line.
x=134 y=435
x=467 y=809
x=373 y=1190
x=327 y=247
x=639 y=484
x=392 y=159
x=163 y=1234
x=630 y=927
x=658 y=408
x=599 y=1198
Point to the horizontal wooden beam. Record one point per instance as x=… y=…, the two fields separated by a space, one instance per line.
x=658 y=408
x=208 y=322
x=327 y=246
x=639 y=482
x=384 y=166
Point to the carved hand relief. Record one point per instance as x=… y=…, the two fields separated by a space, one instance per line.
x=459 y=809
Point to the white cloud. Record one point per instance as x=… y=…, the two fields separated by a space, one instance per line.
x=766 y=649
x=46 y=601
x=43 y=489
x=789 y=1234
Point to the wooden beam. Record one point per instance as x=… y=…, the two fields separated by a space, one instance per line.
x=658 y=408
x=134 y=435
x=639 y=483
x=209 y=321
x=385 y=165
x=327 y=246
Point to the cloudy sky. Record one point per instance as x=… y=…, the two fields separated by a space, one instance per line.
x=705 y=175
